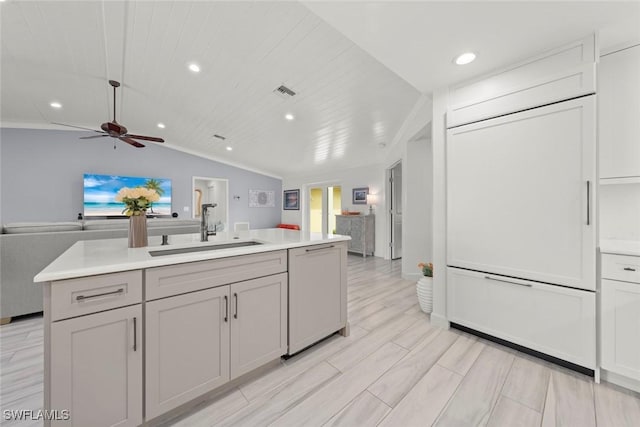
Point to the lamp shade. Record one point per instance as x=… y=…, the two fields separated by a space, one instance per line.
x=371 y=199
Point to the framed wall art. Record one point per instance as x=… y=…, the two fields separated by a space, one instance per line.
x=262 y=199
x=360 y=196
x=291 y=200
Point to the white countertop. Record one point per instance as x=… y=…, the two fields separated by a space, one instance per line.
x=91 y=257
x=620 y=247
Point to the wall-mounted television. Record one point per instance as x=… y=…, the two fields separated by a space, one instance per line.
x=100 y=192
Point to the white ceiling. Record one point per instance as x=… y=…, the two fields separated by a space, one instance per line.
x=419 y=39
x=348 y=102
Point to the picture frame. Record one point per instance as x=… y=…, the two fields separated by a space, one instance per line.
x=359 y=196
x=291 y=200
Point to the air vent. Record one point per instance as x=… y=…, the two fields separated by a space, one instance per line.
x=219 y=137
x=284 y=92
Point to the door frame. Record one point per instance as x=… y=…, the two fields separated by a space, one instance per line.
x=225 y=181
x=306 y=202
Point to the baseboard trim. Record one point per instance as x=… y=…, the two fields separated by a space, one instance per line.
x=526 y=350
x=440 y=321
x=620 y=380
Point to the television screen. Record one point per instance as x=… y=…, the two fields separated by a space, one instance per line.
x=100 y=192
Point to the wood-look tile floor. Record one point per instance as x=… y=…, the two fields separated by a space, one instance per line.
x=395 y=369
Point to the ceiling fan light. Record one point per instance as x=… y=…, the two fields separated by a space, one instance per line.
x=55 y=105
x=465 y=58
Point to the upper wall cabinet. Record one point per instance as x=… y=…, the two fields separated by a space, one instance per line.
x=619 y=110
x=557 y=75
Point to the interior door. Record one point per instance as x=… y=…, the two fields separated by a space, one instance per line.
x=396 y=211
x=521 y=194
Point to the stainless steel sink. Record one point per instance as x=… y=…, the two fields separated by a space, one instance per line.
x=203 y=248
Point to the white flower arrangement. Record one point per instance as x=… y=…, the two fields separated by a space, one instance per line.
x=137 y=200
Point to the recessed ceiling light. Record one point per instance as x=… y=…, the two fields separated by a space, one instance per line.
x=465 y=58
x=161 y=125
x=56 y=105
x=194 y=67
x=229 y=148
x=289 y=116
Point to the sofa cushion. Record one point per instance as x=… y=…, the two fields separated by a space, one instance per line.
x=40 y=227
x=107 y=224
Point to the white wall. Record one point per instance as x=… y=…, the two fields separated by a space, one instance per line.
x=439 y=314
x=620 y=211
x=370 y=176
x=417 y=227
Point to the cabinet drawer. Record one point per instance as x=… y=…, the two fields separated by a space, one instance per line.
x=551 y=319
x=76 y=297
x=621 y=267
x=178 y=279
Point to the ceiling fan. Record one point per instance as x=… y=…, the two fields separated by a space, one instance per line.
x=115 y=129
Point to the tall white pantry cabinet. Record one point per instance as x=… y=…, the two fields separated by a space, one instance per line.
x=521 y=204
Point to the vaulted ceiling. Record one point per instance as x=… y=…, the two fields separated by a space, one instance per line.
x=358 y=68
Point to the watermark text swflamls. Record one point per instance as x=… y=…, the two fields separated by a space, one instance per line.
x=36 y=415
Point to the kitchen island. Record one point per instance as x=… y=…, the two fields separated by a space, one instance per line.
x=165 y=325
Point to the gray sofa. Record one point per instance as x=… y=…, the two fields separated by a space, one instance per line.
x=26 y=248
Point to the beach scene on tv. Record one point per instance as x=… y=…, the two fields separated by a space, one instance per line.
x=100 y=192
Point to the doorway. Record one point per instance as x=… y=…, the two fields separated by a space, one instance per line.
x=325 y=202
x=211 y=190
x=395 y=210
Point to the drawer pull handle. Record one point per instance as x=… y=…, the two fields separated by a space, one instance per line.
x=135 y=334
x=319 y=249
x=528 y=285
x=588 y=202
x=235 y=315
x=629 y=269
x=82 y=297
x=226 y=309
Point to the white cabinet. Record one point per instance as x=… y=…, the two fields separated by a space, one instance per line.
x=198 y=341
x=258 y=323
x=317 y=293
x=187 y=348
x=553 y=320
x=619 y=109
x=521 y=194
x=620 y=315
x=361 y=229
x=96 y=368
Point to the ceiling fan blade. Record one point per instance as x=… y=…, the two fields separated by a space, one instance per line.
x=145 y=138
x=93 y=136
x=77 y=127
x=131 y=141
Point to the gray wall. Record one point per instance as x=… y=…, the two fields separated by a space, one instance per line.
x=41 y=176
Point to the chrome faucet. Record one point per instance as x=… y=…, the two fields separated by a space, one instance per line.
x=204 y=223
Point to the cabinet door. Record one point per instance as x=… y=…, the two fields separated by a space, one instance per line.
x=521 y=195
x=187 y=348
x=551 y=319
x=621 y=328
x=258 y=322
x=317 y=293
x=96 y=368
x=343 y=225
x=357 y=235
x=619 y=109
